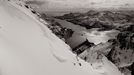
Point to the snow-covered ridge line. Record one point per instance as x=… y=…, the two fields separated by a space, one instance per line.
x=21 y=6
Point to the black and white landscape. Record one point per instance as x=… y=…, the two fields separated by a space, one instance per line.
x=66 y=37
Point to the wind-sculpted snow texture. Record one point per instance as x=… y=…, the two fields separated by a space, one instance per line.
x=28 y=47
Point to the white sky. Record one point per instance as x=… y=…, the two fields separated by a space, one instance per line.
x=71 y=4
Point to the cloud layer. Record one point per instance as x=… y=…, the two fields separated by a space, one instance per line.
x=51 y=5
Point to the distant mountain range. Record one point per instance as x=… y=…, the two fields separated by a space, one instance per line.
x=100 y=19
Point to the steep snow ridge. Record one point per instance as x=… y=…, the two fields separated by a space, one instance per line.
x=44 y=29
x=28 y=47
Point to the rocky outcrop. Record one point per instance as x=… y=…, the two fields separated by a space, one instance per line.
x=119 y=51
x=62 y=32
x=82 y=47
x=122 y=53
x=96 y=51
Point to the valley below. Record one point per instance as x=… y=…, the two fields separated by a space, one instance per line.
x=102 y=34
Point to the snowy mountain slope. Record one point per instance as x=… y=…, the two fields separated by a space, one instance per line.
x=27 y=47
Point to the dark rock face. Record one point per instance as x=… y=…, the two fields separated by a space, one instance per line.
x=132 y=69
x=62 y=32
x=82 y=47
x=125 y=40
x=122 y=53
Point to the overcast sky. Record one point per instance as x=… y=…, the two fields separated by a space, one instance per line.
x=50 y=5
